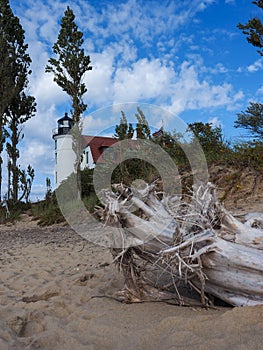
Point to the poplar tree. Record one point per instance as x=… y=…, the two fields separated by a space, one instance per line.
x=142 y=126
x=72 y=63
x=22 y=109
x=69 y=68
x=15 y=106
x=123 y=131
x=8 y=23
x=133 y=168
x=6 y=84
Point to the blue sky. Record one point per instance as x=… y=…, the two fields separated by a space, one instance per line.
x=187 y=57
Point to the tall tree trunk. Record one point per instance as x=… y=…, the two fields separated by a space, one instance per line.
x=77 y=147
x=8 y=180
x=2 y=140
x=15 y=170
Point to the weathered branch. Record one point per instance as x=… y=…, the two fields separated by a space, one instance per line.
x=195 y=243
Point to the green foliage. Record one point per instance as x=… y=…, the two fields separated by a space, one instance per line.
x=172 y=144
x=47 y=214
x=15 y=105
x=72 y=63
x=142 y=126
x=87 y=183
x=14 y=63
x=23 y=107
x=208 y=136
x=50 y=216
x=252 y=120
x=91 y=202
x=26 y=180
x=211 y=140
x=48 y=195
x=69 y=70
x=14 y=212
x=123 y=131
x=253 y=29
x=248 y=154
x=133 y=169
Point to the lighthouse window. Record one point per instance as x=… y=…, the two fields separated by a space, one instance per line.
x=55 y=144
x=87 y=157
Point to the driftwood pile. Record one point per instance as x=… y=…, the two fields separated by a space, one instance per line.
x=173 y=248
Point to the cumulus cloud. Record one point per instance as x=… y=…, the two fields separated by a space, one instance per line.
x=145 y=79
x=193 y=92
x=39 y=155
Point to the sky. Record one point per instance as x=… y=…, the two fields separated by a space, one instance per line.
x=187 y=57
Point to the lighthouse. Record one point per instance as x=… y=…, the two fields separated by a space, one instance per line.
x=64 y=153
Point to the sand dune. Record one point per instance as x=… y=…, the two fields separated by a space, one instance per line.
x=57 y=292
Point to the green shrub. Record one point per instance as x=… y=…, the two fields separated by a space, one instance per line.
x=15 y=210
x=249 y=154
x=91 y=201
x=47 y=214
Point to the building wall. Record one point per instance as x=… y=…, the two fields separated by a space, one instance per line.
x=87 y=160
x=64 y=158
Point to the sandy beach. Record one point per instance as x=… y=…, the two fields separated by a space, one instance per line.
x=57 y=292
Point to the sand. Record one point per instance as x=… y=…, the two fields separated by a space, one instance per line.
x=57 y=292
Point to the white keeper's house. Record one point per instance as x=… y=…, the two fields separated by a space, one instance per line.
x=93 y=149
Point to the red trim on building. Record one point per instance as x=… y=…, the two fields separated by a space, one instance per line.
x=97 y=145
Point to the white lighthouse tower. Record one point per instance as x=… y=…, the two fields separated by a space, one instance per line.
x=64 y=153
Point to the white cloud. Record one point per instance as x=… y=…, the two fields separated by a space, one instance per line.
x=204 y=4
x=191 y=92
x=256 y=66
x=260 y=91
x=40 y=126
x=99 y=121
x=98 y=80
x=39 y=155
x=215 y=122
x=142 y=20
x=219 y=68
x=38 y=191
x=46 y=91
x=143 y=80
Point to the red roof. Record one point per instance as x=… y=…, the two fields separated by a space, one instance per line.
x=97 y=144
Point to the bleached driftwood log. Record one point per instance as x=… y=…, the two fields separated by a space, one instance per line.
x=173 y=243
